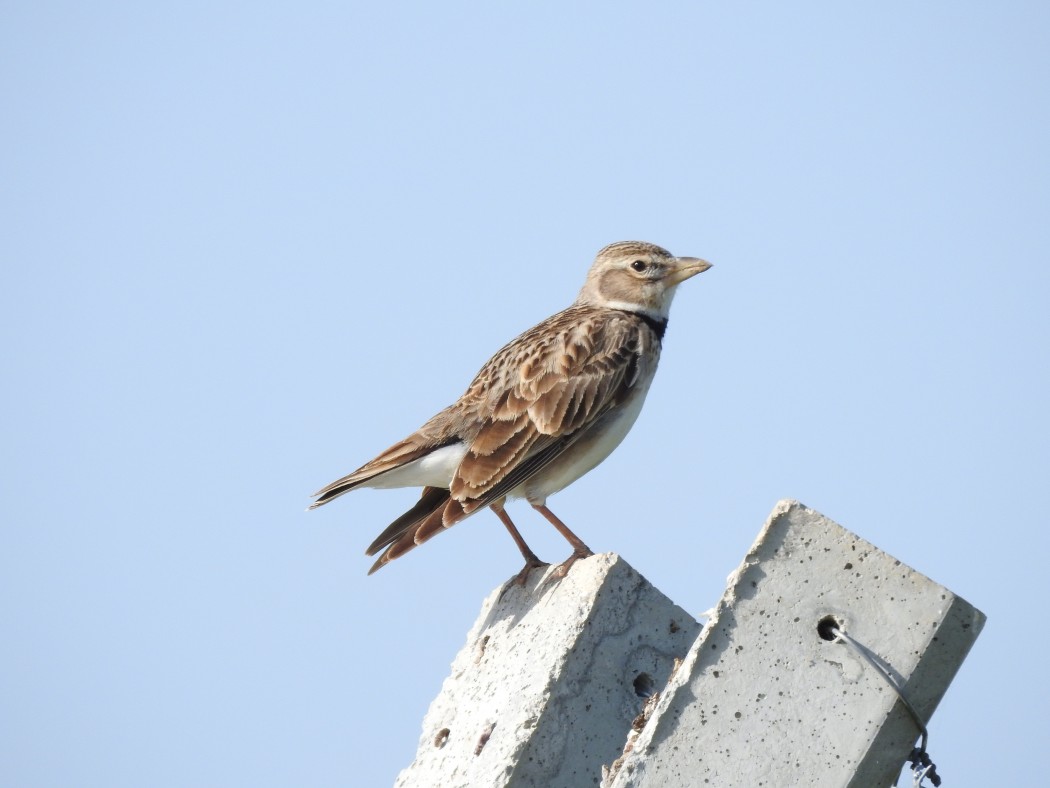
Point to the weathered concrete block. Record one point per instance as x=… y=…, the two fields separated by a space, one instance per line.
x=550 y=679
x=762 y=699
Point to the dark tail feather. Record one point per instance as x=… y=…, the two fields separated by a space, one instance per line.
x=331 y=493
x=427 y=518
x=431 y=499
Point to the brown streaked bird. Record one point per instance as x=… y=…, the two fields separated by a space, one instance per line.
x=542 y=412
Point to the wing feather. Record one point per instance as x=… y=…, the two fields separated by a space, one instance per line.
x=479 y=470
x=541 y=393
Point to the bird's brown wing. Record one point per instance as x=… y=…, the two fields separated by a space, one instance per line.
x=541 y=393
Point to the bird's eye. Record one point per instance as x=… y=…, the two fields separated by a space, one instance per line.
x=639 y=265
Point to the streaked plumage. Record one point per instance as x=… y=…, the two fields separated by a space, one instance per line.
x=547 y=408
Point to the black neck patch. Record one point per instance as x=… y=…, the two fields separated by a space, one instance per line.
x=659 y=327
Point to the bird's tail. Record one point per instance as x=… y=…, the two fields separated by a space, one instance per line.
x=399 y=454
x=434 y=512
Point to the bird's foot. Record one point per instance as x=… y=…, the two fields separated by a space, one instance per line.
x=577 y=554
x=522 y=577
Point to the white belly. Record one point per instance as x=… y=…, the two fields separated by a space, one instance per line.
x=583 y=455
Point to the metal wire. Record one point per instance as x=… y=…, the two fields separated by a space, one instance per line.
x=921 y=765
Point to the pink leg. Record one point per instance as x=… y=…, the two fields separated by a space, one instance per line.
x=579 y=549
x=532 y=561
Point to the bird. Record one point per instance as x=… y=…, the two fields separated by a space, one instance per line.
x=547 y=408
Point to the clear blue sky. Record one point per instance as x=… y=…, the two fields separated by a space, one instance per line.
x=246 y=246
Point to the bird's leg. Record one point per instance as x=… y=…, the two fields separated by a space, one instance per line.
x=532 y=561
x=579 y=549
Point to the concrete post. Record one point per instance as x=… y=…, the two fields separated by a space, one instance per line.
x=768 y=697
x=551 y=676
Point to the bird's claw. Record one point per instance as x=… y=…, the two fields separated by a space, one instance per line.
x=522 y=577
x=565 y=566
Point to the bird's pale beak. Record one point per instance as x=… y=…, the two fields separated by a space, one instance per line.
x=686 y=267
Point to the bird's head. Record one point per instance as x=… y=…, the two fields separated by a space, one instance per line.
x=637 y=277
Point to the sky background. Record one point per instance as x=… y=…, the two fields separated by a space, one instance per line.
x=247 y=246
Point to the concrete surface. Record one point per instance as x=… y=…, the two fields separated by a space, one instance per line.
x=763 y=700
x=551 y=677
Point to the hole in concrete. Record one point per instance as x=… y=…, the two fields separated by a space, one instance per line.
x=827 y=626
x=479 y=652
x=643 y=685
x=484 y=738
x=442 y=738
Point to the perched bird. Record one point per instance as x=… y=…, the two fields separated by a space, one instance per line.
x=547 y=408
